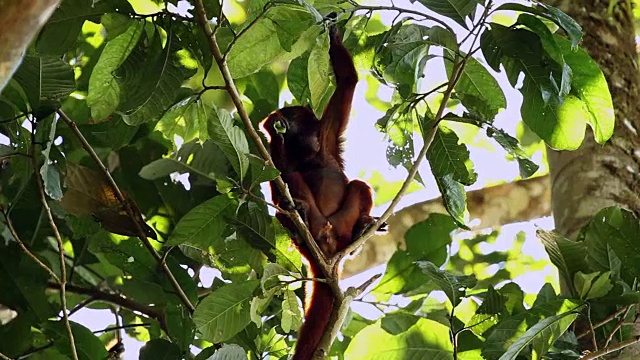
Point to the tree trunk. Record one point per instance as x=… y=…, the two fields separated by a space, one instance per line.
x=19 y=22
x=595 y=176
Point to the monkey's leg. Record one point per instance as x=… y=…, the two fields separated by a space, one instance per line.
x=353 y=216
x=304 y=199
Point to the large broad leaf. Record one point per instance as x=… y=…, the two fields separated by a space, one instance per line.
x=159 y=349
x=230 y=138
x=542 y=335
x=507 y=336
x=568 y=256
x=619 y=230
x=401 y=59
x=478 y=90
x=319 y=72
x=427 y=339
x=448 y=157
x=64 y=26
x=88 y=346
x=593 y=103
x=150 y=79
x=454 y=286
x=205 y=224
x=457 y=10
x=570 y=26
x=430 y=238
x=225 y=311
x=261 y=44
x=46 y=81
x=104 y=93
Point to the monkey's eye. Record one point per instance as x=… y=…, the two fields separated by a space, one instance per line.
x=280 y=126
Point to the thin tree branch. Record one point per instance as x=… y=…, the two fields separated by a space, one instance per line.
x=4 y=357
x=62 y=281
x=112 y=298
x=619 y=346
x=127 y=326
x=130 y=211
x=24 y=248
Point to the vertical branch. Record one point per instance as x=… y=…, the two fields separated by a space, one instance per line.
x=62 y=280
x=130 y=211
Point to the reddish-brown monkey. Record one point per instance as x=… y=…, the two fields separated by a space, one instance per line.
x=308 y=153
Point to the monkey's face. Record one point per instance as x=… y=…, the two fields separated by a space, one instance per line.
x=299 y=128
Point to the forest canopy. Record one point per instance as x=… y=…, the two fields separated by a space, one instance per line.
x=132 y=162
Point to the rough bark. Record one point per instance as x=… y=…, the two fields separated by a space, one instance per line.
x=489 y=207
x=20 y=21
x=595 y=176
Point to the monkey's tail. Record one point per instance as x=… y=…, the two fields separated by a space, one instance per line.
x=317 y=313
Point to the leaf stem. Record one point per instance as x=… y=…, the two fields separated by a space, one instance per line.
x=130 y=211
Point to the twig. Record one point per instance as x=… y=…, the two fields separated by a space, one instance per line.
x=13 y=232
x=619 y=346
x=358 y=7
x=62 y=280
x=130 y=212
x=253 y=134
x=4 y=357
x=603 y=322
x=112 y=298
x=127 y=326
x=618 y=325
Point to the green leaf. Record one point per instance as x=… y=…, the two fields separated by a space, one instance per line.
x=568 y=256
x=447 y=157
x=400 y=277
x=512 y=146
x=225 y=311
x=104 y=93
x=619 y=230
x=457 y=10
x=298 y=79
x=46 y=80
x=289 y=23
x=180 y=326
x=593 y=285
x=150 y=79
x=319 y=72
x=48 y=170
x=230 y=138
x=570 y=26
x=63 y=27
x=543 y=335
x=291 y=314
x=23 y=284
x=187 y=119
x=260 y=171
x=205 y=224
x=478 y=90
x=159 y=349
x=271 y=275
x=427 y=339
x=454 y=198
x=593 y=103
x=437 y=228
x=453 y=286
x=229 y=352
x=88 y=346
x=401 y=59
